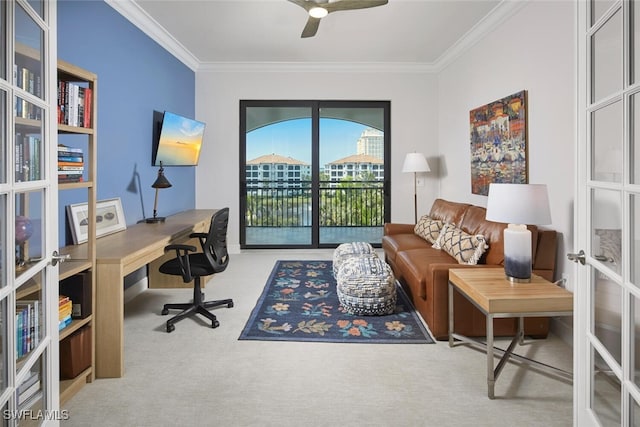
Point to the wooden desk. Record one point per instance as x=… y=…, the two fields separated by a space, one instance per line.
x=120 y=254
x=495 y=296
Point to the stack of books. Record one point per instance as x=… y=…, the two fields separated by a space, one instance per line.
x=27 y=326
x=29 y=387
x=70 y=164
x=74 y=104
x=64 y=312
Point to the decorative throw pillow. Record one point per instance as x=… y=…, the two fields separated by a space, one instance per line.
x=437 y=244
x=465 y=248
x=428 y=228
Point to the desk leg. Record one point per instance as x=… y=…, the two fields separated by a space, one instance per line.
x=109 y=317
x=450 y=315
x=521 y=330
x=491 y=380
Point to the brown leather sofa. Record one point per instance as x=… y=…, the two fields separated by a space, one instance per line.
x=423 y=271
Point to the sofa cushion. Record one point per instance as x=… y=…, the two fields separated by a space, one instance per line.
x=447 y=211
x=465 y=248
x=414 y=264
x=428 y=228
x=394 y=243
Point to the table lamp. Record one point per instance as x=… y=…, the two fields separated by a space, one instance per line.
x=518 y=205
x=160 y=182
x=415 y=162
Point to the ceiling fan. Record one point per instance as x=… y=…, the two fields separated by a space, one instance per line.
x=318 y=9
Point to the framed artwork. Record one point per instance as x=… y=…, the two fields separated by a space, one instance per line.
x=109 y=219
x=498 y=134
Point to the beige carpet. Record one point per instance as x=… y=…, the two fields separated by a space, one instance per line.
x=198 y=376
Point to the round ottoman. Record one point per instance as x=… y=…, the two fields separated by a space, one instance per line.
x=348 y=250
x=366 y=286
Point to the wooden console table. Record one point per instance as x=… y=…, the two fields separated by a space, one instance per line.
x=496 y=297
x=120 y=254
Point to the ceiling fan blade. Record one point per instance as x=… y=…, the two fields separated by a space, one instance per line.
x=311 y=28
x=353 y=4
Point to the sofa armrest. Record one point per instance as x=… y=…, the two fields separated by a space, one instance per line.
x=397 y=228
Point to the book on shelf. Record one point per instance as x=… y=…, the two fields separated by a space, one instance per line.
x=64 y=322
x=28 y=157
x=74 y=104
x=29 y=387
x=31 y=379
x=70 y=164
x=27 y=326
x=65 y=306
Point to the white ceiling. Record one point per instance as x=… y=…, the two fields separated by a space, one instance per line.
x=206 y=33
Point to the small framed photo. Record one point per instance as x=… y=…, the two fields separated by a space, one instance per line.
x=109 y=219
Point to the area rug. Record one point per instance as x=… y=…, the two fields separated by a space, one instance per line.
x=299 y=303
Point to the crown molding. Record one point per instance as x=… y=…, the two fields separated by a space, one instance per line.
x=143 y=21
x=337 y=67
x=500 y=13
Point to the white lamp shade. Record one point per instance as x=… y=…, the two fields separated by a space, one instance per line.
x=415 y=162
x=518 y=204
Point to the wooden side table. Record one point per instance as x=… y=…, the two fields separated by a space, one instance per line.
x=496 y=297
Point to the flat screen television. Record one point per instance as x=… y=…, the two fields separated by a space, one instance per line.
x=179 y=141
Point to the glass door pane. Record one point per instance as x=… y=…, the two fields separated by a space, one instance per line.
x=29 y=67
x=351 y=186
x=606 y=140
x=278 y=155
x=606 y=58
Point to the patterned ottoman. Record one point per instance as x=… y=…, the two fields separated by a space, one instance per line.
x=348 y=250
x=366 y=286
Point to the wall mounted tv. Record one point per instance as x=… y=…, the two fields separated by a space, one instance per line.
x=178 y=142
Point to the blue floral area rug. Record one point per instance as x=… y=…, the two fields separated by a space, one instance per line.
x=299 y=303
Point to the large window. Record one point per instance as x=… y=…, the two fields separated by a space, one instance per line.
x=339 y=151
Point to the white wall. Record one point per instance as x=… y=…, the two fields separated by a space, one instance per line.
x=413 y=126
x=533 y=50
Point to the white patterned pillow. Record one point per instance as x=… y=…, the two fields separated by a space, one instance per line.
x=428 y=228
x=465 y=248
x=437 y=244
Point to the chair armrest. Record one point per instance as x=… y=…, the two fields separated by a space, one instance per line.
x=199 y=235
x=396 y=228
x=182 y=256
x=178 y=247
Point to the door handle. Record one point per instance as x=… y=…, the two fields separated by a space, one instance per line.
x=579 y=257
x=56 y=258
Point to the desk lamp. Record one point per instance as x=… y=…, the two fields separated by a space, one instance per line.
x=161 y=182
x=415 y=162
x=518 y=205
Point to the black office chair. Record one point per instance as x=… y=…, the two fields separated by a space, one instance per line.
x=191 y=266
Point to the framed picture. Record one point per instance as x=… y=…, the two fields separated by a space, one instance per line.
x=498 y=134
x=109 y=219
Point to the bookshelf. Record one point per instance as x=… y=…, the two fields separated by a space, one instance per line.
x=82 y=258
x=29 y=167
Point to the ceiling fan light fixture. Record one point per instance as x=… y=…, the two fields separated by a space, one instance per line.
x=318 y=12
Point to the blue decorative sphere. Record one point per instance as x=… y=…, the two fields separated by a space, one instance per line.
x=24 y=229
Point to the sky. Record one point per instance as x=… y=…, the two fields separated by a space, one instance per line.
x=338 y=139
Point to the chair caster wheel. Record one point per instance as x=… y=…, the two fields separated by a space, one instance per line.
x=230 y=305
x=165 y=311
x=171 y=328
x=215 y=324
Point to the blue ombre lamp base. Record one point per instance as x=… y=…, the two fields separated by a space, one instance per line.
x=517 y=253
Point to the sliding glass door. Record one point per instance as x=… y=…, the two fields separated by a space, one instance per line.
x=313 y=172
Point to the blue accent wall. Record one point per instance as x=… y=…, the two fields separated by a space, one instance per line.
x=136 y=77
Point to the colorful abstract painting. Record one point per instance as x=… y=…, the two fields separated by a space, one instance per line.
x=498 y=134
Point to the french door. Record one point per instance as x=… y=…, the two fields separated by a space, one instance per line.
x=313 y=173
x=607 y=290
x=28 y=213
